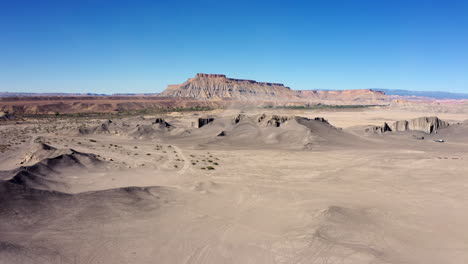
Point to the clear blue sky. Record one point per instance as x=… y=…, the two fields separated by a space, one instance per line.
x=116 y=46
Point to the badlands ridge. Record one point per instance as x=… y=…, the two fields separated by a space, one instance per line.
x=220 y=170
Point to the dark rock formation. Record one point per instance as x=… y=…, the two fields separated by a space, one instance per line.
x=222 y=134
x=162 y=123
x=321 y=119
x=204 y=121
x=238 y=118
x=380 y=129
x=105 y=125
x=261 y=117
x=277 y=121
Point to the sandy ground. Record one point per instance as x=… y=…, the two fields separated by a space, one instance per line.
x=379 y=199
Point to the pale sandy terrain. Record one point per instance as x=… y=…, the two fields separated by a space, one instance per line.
x=137 y=191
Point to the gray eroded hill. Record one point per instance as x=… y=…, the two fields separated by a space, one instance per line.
x=269 y=131
x=46 y=167
x=240 y=131
x=140 y=128
x=38 y=217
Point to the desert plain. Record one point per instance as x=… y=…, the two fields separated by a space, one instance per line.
x=250 y=185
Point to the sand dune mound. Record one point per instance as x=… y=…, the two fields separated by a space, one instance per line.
x=205 y=187
x=157 y=129
x=39 y=152
x=138 y=128
x=427 y=125
x=128 y=195
x=105 y=128
x=23 y=206
x=148 y=131
x=357 y=232
x=15 y=253
x=49 y=173
x=44 y=214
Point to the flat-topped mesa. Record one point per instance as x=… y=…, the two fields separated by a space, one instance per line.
x=218 y=86
x=206 y=86
x=208 y=75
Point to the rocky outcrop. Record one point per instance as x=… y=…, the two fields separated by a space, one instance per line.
x=277 y=121
x=162 y=123
x=424 y=124
x=239 y=118
x=204 y=121
x=379 y=129
x=273 y=120
x=321 y=119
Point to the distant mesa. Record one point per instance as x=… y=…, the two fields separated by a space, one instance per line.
x=202 y=91
x=218 y=87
